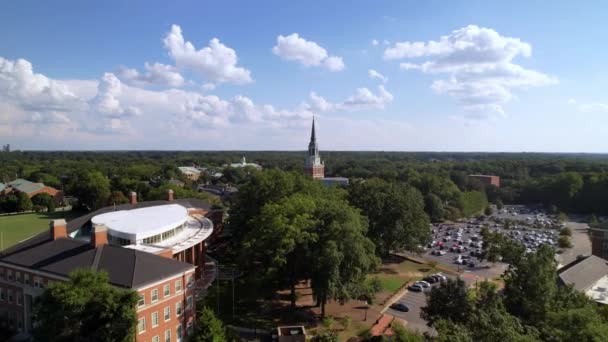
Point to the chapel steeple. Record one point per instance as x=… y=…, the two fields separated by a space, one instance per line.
x=313 y=166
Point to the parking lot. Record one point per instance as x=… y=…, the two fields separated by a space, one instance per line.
x=462 y=240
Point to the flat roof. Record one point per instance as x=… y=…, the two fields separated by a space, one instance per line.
x=141 y=223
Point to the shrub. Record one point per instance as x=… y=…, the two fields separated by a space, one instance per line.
x=564 y=242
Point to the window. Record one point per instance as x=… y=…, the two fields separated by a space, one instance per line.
x=190 y=280
x=18 y=295
x=10 y=275
x=154 y=319
x=189 y=328
x=166 y=290
x=168 y=335
x=142 y=301
x=141 y=325
x=156 y=339
x=179 y=332
x=18 y=276
x=26 y=279
x=167 y=313
x=10 y=296
x=178 y=285
x=178 y=308
x=1 y=294
x=154 y=295
x=189 y=303
x=36 y=281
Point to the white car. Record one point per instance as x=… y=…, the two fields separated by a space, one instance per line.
x=423 y=283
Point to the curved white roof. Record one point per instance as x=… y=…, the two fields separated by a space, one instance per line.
x=137 y=224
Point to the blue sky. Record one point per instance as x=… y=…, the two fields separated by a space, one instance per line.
x=384 y=75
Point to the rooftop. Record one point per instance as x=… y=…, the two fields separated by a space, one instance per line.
x=125 y=267
x=24 y=185
x=584 y=273
x=143 y=222
x=190 y=169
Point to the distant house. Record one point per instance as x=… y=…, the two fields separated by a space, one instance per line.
x=487 y=179
x=191 y=172
x=29 y=188
x=176 y=182
x=588 y=275
x=244 y=163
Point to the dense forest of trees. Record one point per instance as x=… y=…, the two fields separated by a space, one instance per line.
x=564 y=182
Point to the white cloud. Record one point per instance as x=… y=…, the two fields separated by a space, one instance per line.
x=308 y=53
x=478 y=63
x=216 y=62
x=156 y=74
x=106 y=102
x=373 y=74
x=375 y=42
x=592 y=107
x=362 y=99
x=19 y=83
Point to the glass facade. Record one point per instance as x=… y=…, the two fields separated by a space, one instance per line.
x=164 y=236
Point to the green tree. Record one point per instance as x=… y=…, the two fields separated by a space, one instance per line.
x=448 y=301
x=488 y=211
x=8 y=203
x=86 y=308
x=208 y=328
x=530 y=285
x=92 y=189
x=434 y=207
x=401 y=334
x=564 y=242
x=44 y=200
x=395 y=211
x=593 y=221
x=117 y=197
x=24 y=203
x=565 y=231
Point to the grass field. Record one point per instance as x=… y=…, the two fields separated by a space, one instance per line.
x=15 y=228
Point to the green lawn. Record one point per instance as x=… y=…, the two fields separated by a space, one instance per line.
x=391 y=283
x=16 y=228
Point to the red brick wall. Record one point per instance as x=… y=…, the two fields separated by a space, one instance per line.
x=315 y=171
x=159 y=306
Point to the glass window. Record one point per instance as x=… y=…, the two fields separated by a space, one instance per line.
x=154 y=295
x=18 y=295
x=154 y=319
x=1 y=294
x=190 y=280
x=26 y=279
x=179 y=332
x=167 y=313
x=18 y=276
x=189 y=303
x=156 y=339
x=10 y=296
x=178 y=308
x=142 y=300
x=168 y=335
x=141 y=325
x=178 y=285
x=166 y=290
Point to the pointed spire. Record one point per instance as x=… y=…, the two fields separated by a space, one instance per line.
x=313 y=137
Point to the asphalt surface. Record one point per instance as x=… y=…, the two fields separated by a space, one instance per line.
x=482 y=270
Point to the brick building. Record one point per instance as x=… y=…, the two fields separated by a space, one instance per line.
x=168 y=271
x=487 y=179
x=30 y=188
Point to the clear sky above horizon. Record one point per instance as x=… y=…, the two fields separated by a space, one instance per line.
x=244 y=75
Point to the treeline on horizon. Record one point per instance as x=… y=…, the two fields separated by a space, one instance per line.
x=575 y=183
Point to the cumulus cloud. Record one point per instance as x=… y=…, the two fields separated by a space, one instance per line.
x=106 y=103
x=308 y=53
x=19 y=82
x=478 y=62
x=156 y=74
x=375 y=42
x=215 y=62
x=373 y=74
x=362 y=99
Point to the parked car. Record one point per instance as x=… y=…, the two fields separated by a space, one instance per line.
x=400 y=307
x=416 y=288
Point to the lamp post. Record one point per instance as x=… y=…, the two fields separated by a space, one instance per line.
x=366 y=307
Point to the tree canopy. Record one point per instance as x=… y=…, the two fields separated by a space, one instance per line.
x=85 y=308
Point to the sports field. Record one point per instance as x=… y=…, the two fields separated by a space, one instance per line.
x=15 y=228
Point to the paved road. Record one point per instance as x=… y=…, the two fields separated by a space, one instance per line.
x=580 y=241
x=414 y=300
